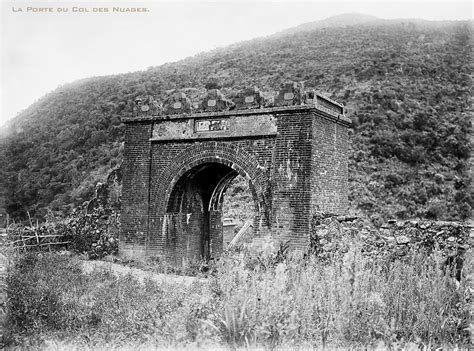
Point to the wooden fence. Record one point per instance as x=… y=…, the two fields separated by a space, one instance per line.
x=28 y=238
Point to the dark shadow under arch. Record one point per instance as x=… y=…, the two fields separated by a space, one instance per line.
x=194 y=210
x=223 y=153
x=191 y=191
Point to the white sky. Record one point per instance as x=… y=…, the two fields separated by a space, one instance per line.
x=41 y=51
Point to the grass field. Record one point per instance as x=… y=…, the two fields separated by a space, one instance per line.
x=250 y=299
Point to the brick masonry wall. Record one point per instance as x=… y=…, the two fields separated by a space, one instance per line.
x=135 y=190
x=297 y=171
x=291 y=182
x=329 y=172
x=183 y=235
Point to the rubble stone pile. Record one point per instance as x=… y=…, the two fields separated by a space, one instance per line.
x=332 y=234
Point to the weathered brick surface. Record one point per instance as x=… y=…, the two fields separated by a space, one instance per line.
x=329 y=174
x=136 y=174
x=174 y=183
x=291 y=181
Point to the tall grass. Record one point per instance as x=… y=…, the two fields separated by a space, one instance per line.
x=351 y=301
x=48 y=294
x=254 y=299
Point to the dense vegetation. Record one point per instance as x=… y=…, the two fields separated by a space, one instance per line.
x=406 y=87
x=255 y=298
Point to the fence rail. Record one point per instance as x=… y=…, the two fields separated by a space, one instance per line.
x=28 y=239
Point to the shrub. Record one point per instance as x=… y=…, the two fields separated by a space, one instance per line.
x=95 y=234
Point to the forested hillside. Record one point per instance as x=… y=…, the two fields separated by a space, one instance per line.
x=406 y=86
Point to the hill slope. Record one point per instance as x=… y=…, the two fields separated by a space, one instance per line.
x=406 y=86
x=342 y=20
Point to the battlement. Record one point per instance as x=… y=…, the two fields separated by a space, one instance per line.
x=177 y=104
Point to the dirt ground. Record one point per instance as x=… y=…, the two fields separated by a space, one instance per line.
x=140 y=274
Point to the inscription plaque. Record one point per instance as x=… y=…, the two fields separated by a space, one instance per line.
x=211 y=125
x=288 y=96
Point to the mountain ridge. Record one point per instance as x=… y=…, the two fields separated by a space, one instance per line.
x=340 y=20
x=407 y=92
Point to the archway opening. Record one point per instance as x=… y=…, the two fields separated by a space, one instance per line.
x=238 y=211
x=194 y=220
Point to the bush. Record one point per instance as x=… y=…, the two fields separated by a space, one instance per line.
x=95 y=234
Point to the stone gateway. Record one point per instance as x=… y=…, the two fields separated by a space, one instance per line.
x=179 y=161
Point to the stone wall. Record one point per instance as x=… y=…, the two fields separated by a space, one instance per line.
x=333 y=234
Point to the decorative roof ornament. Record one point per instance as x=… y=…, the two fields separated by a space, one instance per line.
x=249 y=98
x=215 y=101
x=147 y=106
x=177 y=103
x=291 y=93
x=310 y=97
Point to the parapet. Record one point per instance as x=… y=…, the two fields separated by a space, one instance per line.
x=176 y=103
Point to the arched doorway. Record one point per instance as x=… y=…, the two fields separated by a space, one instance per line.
x=238 y=212
x=193 y=222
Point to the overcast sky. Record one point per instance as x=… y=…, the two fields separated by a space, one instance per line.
x=41 y=51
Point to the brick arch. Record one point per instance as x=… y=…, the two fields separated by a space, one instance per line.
x=303 y=149
x=244 y=163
